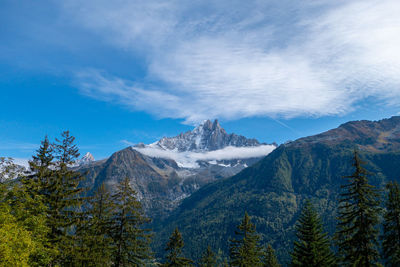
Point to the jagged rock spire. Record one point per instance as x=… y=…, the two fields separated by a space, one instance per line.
x=208 y=136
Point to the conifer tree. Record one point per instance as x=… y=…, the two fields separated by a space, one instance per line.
x=312 y=248
x=246 y=250
x=358 y=214
x=208 y=258
x=41 y=167
x=94 y=243
x=221 y=259
x=65 y=197
x=269 y=258
x=57 y=184
x=131 y=239
x=391 y=226
x=174 y=248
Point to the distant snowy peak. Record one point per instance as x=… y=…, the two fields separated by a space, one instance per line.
x=208 y=136
x=208 y=142
x=86 y=159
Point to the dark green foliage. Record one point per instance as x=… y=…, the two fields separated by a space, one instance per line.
x=57 y=185
x=94 y=245
x=312 y=248
x=358 y=218
x=208 y=259
x=174 y=249
x=391 y=225
x=245 y=251
x=131 y=239
x=64 y=197
x=269 y=258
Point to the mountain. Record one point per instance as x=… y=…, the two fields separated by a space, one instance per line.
x=86 y=159
x=208 y=144
x=274 y=189
x=207 y=136
x=171 y=169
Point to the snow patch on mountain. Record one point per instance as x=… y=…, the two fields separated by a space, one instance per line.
x=207 y=136
x=189 y=159
x=85 y=160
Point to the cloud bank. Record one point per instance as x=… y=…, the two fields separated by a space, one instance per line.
x=277 y=59
x=189 y=159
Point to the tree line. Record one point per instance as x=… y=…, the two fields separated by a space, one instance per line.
x=48 y=219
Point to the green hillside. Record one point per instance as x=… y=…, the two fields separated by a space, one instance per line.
x=273 y=190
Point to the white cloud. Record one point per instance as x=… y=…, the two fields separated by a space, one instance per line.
x=253 y=59
x=189 y=159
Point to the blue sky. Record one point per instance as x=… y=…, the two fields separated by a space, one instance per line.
x=121 y=72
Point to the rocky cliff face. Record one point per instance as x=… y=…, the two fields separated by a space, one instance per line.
x=208 y=136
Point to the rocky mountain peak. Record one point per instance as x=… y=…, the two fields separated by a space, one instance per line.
x=86 y=159
x=208 y=136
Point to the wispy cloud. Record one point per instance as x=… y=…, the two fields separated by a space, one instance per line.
x=189 y=159
x=252 y=59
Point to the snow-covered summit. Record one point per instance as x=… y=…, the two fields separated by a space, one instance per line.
x=208 y=136
x=86 y=159
x=208 y=142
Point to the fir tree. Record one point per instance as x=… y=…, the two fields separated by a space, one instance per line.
x=312 y=248
x=246 y=250
x=208 y=258
x=174 y=247
x=94 y=243
x=131 y=239
x=41 y=167
x=57 y=184
x=391 y=226
x=65 y=197
x=358 y=211
x=269 y=258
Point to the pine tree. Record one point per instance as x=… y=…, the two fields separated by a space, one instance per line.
x=221 y=259
x=358 y=211
x=131 y=240
x=208 y=258
x=41 y=167
x=174 y=247
x=269 y=258
x=94 y=243
x=57 y=184
x=65 y=197
x=312 y=248
x=391 y=226
x=246 y=250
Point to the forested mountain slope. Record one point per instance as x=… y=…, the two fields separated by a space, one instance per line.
x=273 y=190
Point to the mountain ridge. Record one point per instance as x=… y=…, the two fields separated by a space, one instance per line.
x=165 y=172
x=208 y=136
x=274 y=189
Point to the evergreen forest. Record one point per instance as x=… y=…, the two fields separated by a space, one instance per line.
x=48 y=218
